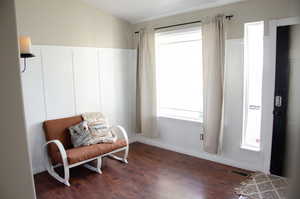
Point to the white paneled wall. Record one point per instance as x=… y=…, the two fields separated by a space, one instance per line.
x=57 y=64
x=184 y=136
x=86 y=80
x=117 y=80
x=66 y=81
x=35 y=108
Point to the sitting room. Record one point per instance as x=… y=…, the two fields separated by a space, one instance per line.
x=161 y=99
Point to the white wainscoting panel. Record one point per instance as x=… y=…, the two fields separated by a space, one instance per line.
x=34 y=107
x=67 y=81
x=58 y=81
x=114 y=72
x=86 y=80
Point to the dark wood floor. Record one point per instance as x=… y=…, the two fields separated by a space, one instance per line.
x=152 y=173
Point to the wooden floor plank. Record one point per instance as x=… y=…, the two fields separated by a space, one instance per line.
x=152 y=173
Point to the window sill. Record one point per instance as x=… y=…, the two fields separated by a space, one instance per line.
x=249 y=148
x=181 y=119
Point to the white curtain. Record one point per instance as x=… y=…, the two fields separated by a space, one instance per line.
x=146 y=85
x=213 y=36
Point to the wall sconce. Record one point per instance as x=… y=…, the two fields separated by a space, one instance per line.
x=25 y=49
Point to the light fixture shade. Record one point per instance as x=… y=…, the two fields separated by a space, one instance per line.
x=25 y=49
x=25 y=46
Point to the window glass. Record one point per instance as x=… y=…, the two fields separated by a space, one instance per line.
x=253 y=72
x=179 y=74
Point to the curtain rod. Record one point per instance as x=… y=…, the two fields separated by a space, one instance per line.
x=182 y=24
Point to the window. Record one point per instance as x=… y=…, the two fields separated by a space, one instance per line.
x=179 y=74
x=253 y=72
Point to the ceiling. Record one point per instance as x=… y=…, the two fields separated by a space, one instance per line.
x=136 y=11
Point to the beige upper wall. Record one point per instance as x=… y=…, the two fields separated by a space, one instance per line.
x=75 y=23
x=246 y=11
x=71 y=23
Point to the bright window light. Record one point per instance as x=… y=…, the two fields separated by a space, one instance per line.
x=179 y=74
x=253 y=72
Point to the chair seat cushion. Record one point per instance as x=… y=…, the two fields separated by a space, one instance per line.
x=83 y=153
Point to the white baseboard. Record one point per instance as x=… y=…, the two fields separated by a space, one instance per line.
x=198 y=154
x=38 y=170
x=133 y=139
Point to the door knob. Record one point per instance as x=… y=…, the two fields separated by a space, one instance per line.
x=278 y=101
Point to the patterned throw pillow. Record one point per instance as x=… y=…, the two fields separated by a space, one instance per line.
x=80 y=135
x=102 y=134
x=99 y=128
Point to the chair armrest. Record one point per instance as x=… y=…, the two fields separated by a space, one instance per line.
x=61 y=149
x=122 y=130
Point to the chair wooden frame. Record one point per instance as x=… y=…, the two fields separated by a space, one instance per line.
x=98 y=159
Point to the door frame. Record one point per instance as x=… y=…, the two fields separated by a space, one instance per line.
x=269 y=87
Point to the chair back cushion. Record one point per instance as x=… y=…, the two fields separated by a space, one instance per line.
x=58 y=130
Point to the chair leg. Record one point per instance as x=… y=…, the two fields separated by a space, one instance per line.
x=96 y=168
x=124 y=159
x=55 y=175
x=126 y=154
x=65 y=163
